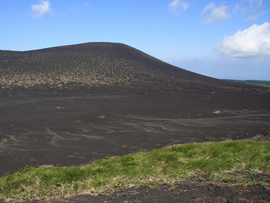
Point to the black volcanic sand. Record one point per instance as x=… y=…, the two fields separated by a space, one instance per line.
x=64 y=129
x=184 y=192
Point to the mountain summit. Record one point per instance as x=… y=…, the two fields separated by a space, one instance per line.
x=93 y=65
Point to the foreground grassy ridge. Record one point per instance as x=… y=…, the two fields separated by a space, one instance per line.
x=169 y=164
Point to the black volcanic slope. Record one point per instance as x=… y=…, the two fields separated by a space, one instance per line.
x=93 y=65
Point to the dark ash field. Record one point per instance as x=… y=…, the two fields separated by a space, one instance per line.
x=72 y=128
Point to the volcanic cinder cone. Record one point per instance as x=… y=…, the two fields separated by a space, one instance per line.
x=94 y=65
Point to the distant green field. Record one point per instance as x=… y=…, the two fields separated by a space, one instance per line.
x=264 y=83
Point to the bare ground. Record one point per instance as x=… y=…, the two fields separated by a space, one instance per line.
x=65 y=129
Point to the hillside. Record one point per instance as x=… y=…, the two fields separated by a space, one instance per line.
x=93 y=65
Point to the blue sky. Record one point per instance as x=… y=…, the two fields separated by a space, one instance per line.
x=222 y=39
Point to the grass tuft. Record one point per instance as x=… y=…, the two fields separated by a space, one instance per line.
x=220 y=161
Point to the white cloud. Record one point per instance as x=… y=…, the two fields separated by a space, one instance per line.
x=252 y=42
x=176 y=4
x=41 y=9
x=250 y=7
x=216 y=15
x=210 y=6
x=254 y=17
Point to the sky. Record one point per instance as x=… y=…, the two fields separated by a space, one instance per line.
x=221 y=39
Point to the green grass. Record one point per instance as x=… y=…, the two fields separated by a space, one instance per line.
x=165 y=165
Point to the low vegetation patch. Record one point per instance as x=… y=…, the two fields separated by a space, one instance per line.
x=263 y=83
x=216 y=161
